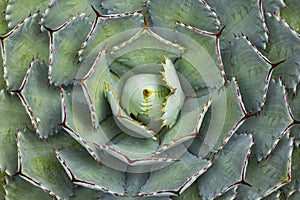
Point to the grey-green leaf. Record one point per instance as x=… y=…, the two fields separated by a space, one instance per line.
x=18 y=188
x=90 y=173
x=195 y=13
x=237 y=15
x=250 y=67
x=284 y=46
x=38 y=164
x=175 y=178
x=59 y=11
x=42 y=102
x=66 y=42
x=270 y=124
x=229 y=168
x=268 y=175
x=21 y=45
x=13 y=118
x=17 y=11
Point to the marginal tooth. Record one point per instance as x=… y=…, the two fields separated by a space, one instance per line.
x=165 y=57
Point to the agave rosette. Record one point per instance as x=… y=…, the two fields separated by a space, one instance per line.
x=156 y=99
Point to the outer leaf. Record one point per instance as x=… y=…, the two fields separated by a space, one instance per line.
x=13 y=117
x=20 y=46
x=273 y=6
x=229 y=195
x=289 y=13
x=295 y=196
x=237 y=15
x=220 y=122
x=192 y=193
x=17 y=11
x=229 y=168
x=65 y=43
x=275 y=172
x=271 y=124
x=284 y=45
x=41 y=167
x=41 y=101
x=274 y=196
x=246 y=63
x=294 y=185
x=175 y=178
x=18 y=188
x=107 y=27
x=196 y=13
x=3 y=22
x=293 y=101
x=2 y=182
x=121 y=6
x=86 y=193
x=2 y=81
x=59 y=11
x=91 y=174
x=133 y=183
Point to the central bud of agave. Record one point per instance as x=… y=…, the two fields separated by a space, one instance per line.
x=144 y=97
x=147 y=102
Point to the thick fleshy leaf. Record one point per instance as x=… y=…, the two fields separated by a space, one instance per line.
x=107 y=27
x=58 y=12
x=274 y=196
x=188 y=123
x=293 y=101
x=2 y=81
x=121 y=6
x=42 y=102
x=229 y=168
x=146 y=47
x=91 y=174
x=250 y=67
x=284 y=46
x=229 y=195
x=2 y=183
x=93 y=85
x=268 y=175
x=220 y=122
x=17 y=11
x=66 y=42
x=295 y=196
x=13 y=118
x=20 y=46
x=294 y=185
x=3 y=22
x=175 y=178
x=237 y=15
x=86 y=193
x=176 y=98
x=270 y=124
x=38 y=164
x=133 y=183
x=290 y=13
x=188 y=71
x=18 y=188
x=196 y=13
x=192 y=193
x=131 y=146
x=273 y=6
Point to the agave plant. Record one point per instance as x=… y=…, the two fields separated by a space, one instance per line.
x=157 y=99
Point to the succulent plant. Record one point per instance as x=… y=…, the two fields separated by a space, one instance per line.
x=157 y=99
